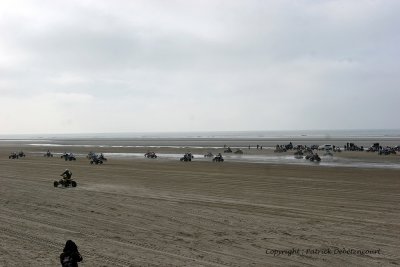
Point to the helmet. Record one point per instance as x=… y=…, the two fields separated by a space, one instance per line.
x=66 y=170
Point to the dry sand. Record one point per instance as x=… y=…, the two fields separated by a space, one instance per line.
x=142 y=212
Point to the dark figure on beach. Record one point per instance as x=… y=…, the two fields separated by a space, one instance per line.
x=258 y=147
x=229 y=150
x=70 y=256
x=67 y=174
x=218 y=158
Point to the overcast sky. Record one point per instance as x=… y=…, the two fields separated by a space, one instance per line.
x=138 y=66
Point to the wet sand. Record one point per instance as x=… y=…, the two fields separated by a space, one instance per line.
x=143 y=212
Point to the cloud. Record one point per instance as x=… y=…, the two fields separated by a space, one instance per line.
x=51 y=112
x=162 y=66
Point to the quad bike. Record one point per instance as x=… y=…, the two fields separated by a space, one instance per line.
x=96 y=161
x=218 y=159
x=48 y=155
x=92 y=155
x=21 y=154
x=229 y=150
x=67 y=157
x=315 y=157
x=13 y=156
x=65 y=183
x=150 y=155
x=187 y=157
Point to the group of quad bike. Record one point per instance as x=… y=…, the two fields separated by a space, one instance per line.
x=66 y=180
x=189 y=156
x=309 y=155
x=17 y=155
x=93 y=157
x=217 y=158
x=302 y=151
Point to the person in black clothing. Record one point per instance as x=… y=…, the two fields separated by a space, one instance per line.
x=67 y=174
x=70 y=256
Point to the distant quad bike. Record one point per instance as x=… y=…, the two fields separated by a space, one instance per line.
x=229 y=150
x=387 y=151
x=48 y=154
x=150 y=155
x=289 y=146
x=96 y=160
x=209 y=155
x=218 y=159
x=68 y=157
x=314 y=147
x=65 y=183
x=92 y=156
x=315 y=158
x=13 y=156
x=187 y=157
x=21 y=154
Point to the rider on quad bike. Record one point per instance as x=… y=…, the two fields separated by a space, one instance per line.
x=66 y=180
x=67 y=174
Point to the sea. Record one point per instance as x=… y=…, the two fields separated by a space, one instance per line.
x=298 y=134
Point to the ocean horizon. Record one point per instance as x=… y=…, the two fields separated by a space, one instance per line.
x=273 y=134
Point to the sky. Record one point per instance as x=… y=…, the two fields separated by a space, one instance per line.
x=207 y=65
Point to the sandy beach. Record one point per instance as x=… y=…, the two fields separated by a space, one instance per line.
x=133 y=211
